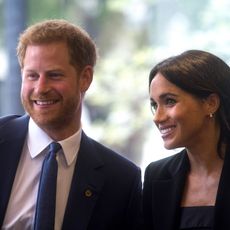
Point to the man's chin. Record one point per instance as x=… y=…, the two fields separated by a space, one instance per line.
x=45 y=121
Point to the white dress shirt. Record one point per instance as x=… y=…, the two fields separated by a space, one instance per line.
x=22 y=204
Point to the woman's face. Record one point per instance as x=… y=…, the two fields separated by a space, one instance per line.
x=180 y=117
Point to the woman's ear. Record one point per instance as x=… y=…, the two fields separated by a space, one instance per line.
x=86 y=77
x=213 y=103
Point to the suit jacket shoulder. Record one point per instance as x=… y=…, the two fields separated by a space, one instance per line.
x=166 y=168
x=6 y=119
x=163 y=187
x=13 y=130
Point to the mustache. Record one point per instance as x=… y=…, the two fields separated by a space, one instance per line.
x=44 y=95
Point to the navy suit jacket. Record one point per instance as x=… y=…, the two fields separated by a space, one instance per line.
x=105 y=192
x=163 y=189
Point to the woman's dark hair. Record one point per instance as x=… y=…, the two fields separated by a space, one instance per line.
x=201 y=73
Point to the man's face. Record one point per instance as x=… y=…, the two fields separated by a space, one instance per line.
x=52 y=89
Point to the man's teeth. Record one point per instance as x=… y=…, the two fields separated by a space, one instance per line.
x=44 y=102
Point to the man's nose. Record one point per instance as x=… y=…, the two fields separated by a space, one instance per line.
x=42 y=84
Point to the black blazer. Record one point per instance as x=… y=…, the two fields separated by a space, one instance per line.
x=163 y=188
x=105 y=192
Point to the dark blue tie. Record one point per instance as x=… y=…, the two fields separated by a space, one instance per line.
x=45 y=208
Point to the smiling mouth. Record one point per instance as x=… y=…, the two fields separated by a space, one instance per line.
x=166 y=131
x=43 y=103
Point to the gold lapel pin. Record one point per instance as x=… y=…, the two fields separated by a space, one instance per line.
x=88 y=193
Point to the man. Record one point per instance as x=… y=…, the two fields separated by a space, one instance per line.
x=96 y=189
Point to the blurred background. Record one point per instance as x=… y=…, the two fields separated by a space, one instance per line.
x=132 y=36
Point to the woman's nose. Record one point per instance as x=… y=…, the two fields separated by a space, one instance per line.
x=159 y=115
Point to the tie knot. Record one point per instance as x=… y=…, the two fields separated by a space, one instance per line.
x=54 y=147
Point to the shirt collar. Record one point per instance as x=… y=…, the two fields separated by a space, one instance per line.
x=38 y=140
x=71 y=146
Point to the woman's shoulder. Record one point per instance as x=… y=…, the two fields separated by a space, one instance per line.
x=163 y=168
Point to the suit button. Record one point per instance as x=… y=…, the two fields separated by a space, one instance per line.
x=88 y=193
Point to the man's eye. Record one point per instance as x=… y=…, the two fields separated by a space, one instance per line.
x=55 y=75
x=32 y=76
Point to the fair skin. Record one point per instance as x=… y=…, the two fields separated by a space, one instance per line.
x=183 y=121
x=52 y=89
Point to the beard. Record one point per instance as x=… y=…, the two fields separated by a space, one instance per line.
x=62 y=116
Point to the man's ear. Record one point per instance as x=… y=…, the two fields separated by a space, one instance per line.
x=86 y=77
x=213 y=103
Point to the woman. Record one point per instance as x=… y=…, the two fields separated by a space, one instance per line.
x=190 y=100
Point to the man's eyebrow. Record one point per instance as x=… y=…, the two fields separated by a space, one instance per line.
x=28 y=70
x=56 y=69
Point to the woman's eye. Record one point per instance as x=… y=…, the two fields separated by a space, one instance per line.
x=153 y=106
x=170 y=101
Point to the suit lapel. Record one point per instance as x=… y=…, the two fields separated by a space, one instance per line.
x=167 y=196
x=86 y=186
x=12 y=137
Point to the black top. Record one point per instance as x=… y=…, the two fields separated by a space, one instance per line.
x=197 y=218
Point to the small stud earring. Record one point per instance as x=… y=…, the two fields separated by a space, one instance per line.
x=210 y=115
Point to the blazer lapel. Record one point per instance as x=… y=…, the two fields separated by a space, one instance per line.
x=12 y=137
x=167 y=196
x=86 y=186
